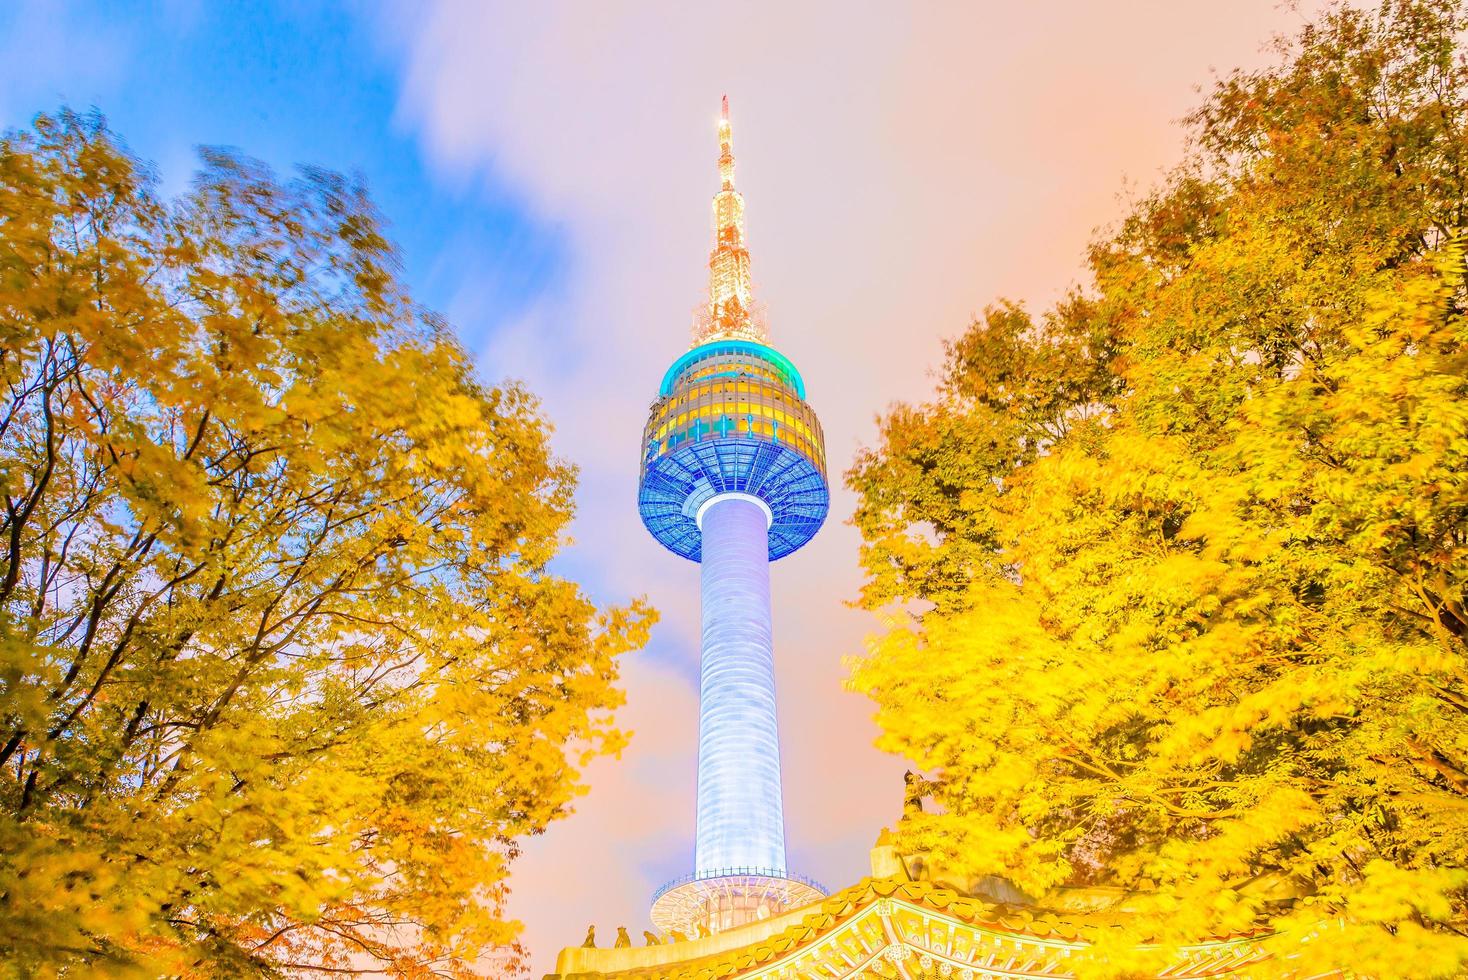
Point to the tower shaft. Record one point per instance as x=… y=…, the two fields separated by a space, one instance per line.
x=740 y=817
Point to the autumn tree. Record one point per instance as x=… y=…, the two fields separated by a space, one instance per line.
x=283 y=676
x=1176 y=572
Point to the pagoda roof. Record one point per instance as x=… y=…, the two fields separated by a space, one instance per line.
x=893 y=927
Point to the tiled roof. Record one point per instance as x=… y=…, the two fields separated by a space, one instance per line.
x=900 y=928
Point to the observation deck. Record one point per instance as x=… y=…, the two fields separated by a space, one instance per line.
x=731 y=417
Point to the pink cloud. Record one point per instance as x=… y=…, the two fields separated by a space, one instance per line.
x=903 y=166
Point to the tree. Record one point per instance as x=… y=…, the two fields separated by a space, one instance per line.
x=1177 y=573
x=283 y=675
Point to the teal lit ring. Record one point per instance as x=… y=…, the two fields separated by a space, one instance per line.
x=714 y=348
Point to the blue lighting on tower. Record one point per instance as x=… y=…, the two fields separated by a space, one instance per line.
x=731 y=418
x=734 y=477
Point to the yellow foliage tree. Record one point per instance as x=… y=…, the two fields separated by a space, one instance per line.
x=1176 y=574
x=283 y=676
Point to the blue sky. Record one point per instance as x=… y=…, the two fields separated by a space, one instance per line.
x=288 y=83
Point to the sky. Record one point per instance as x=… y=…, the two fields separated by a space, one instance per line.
x=546 y=170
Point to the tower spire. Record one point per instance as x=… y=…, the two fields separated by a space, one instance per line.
x=726 y=149
x=729 y=313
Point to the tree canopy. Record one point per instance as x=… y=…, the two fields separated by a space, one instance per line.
x=283 y=675
x=1175 y=573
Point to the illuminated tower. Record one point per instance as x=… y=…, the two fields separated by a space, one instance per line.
x=733 y=477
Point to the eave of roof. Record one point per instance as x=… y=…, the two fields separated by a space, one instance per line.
x=763 y=945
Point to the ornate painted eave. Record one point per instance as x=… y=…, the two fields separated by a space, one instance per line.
x=891 y=927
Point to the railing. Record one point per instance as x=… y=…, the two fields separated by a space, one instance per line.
x=739 y=873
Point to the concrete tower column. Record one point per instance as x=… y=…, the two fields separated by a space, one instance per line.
x=740 y=817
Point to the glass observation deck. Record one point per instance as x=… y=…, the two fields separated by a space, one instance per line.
x=731 y=417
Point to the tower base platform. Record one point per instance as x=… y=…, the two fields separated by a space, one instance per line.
x=708 y=904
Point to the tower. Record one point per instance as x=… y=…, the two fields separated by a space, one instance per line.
x=733 y=477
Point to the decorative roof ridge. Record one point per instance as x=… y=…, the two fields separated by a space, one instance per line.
x=819 y=919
